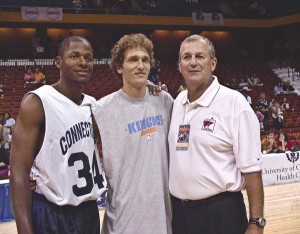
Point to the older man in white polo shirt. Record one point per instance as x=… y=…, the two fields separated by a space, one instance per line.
x=214 y=151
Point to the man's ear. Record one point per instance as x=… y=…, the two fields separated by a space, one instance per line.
x=214 y=63
x=120 y=70
x=58 y=61
x=179 y=69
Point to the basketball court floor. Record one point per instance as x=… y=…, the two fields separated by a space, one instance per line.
x=282 y=210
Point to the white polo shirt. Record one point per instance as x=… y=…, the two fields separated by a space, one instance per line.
x=224 y=140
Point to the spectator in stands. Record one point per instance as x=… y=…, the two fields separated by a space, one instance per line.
x=48 y=44
x=5 y=134
x=285 y=106
x=272 y=102
x=4 y=162
x=244 y=85
x=250 y=81
x=234 y=84
x=278 y=88
x=35 y=43
x=28 y=76
x=288 y=88
x=257 y=8
x=263 y=106
x=9 y=121
x=149 y=4
x=77 y=4
x=39 y=77
x=256 y=80
x=4 y=157
x=181 y=88
x=247 y=96
x=268 y=144
x=164 y=87
x=277 y=114
x=260 y=118
x=154 y=72
x=283 y=143
x=1 y=89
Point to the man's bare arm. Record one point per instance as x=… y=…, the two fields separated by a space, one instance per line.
x=25 y=142
x=255 y=192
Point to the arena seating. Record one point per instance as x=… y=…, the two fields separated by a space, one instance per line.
x=103 y=83
x=238 y=8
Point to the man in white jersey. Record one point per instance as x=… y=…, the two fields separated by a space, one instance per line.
x=53 y=144
x=134 y=128
x=215 y=152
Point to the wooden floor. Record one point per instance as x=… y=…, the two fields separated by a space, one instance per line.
x=282 y=211
x=282 y=208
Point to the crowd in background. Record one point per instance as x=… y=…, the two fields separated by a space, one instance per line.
x=272 y=143
x=270 y=113
x=7 y=123
x=34 y=77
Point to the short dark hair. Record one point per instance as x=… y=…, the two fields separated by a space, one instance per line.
x=66 y=43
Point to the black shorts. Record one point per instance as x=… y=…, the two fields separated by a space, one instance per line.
x=48 y=217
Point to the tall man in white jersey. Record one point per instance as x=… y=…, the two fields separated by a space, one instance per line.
x=134 y=128
x=53 y=143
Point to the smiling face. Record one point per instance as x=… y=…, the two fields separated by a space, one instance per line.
x=282 y=137
x=76 y=63
x=135 y=68
x=196 y=63
x=271 y=136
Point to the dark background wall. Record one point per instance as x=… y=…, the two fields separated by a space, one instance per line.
x=265 y=43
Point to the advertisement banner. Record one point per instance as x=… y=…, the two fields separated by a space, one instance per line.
x=42 y=13
x=207 y=18
x=281 y=168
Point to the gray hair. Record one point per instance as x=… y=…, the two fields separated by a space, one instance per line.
x=195 y=37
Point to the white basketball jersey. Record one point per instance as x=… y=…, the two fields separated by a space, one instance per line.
x=67 y=167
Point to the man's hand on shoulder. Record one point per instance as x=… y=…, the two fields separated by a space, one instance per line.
x=153 y=88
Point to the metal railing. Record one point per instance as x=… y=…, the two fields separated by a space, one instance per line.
x=41 y=62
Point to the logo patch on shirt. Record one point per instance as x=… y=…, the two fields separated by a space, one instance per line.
x=146 y=126
x=208 y=124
